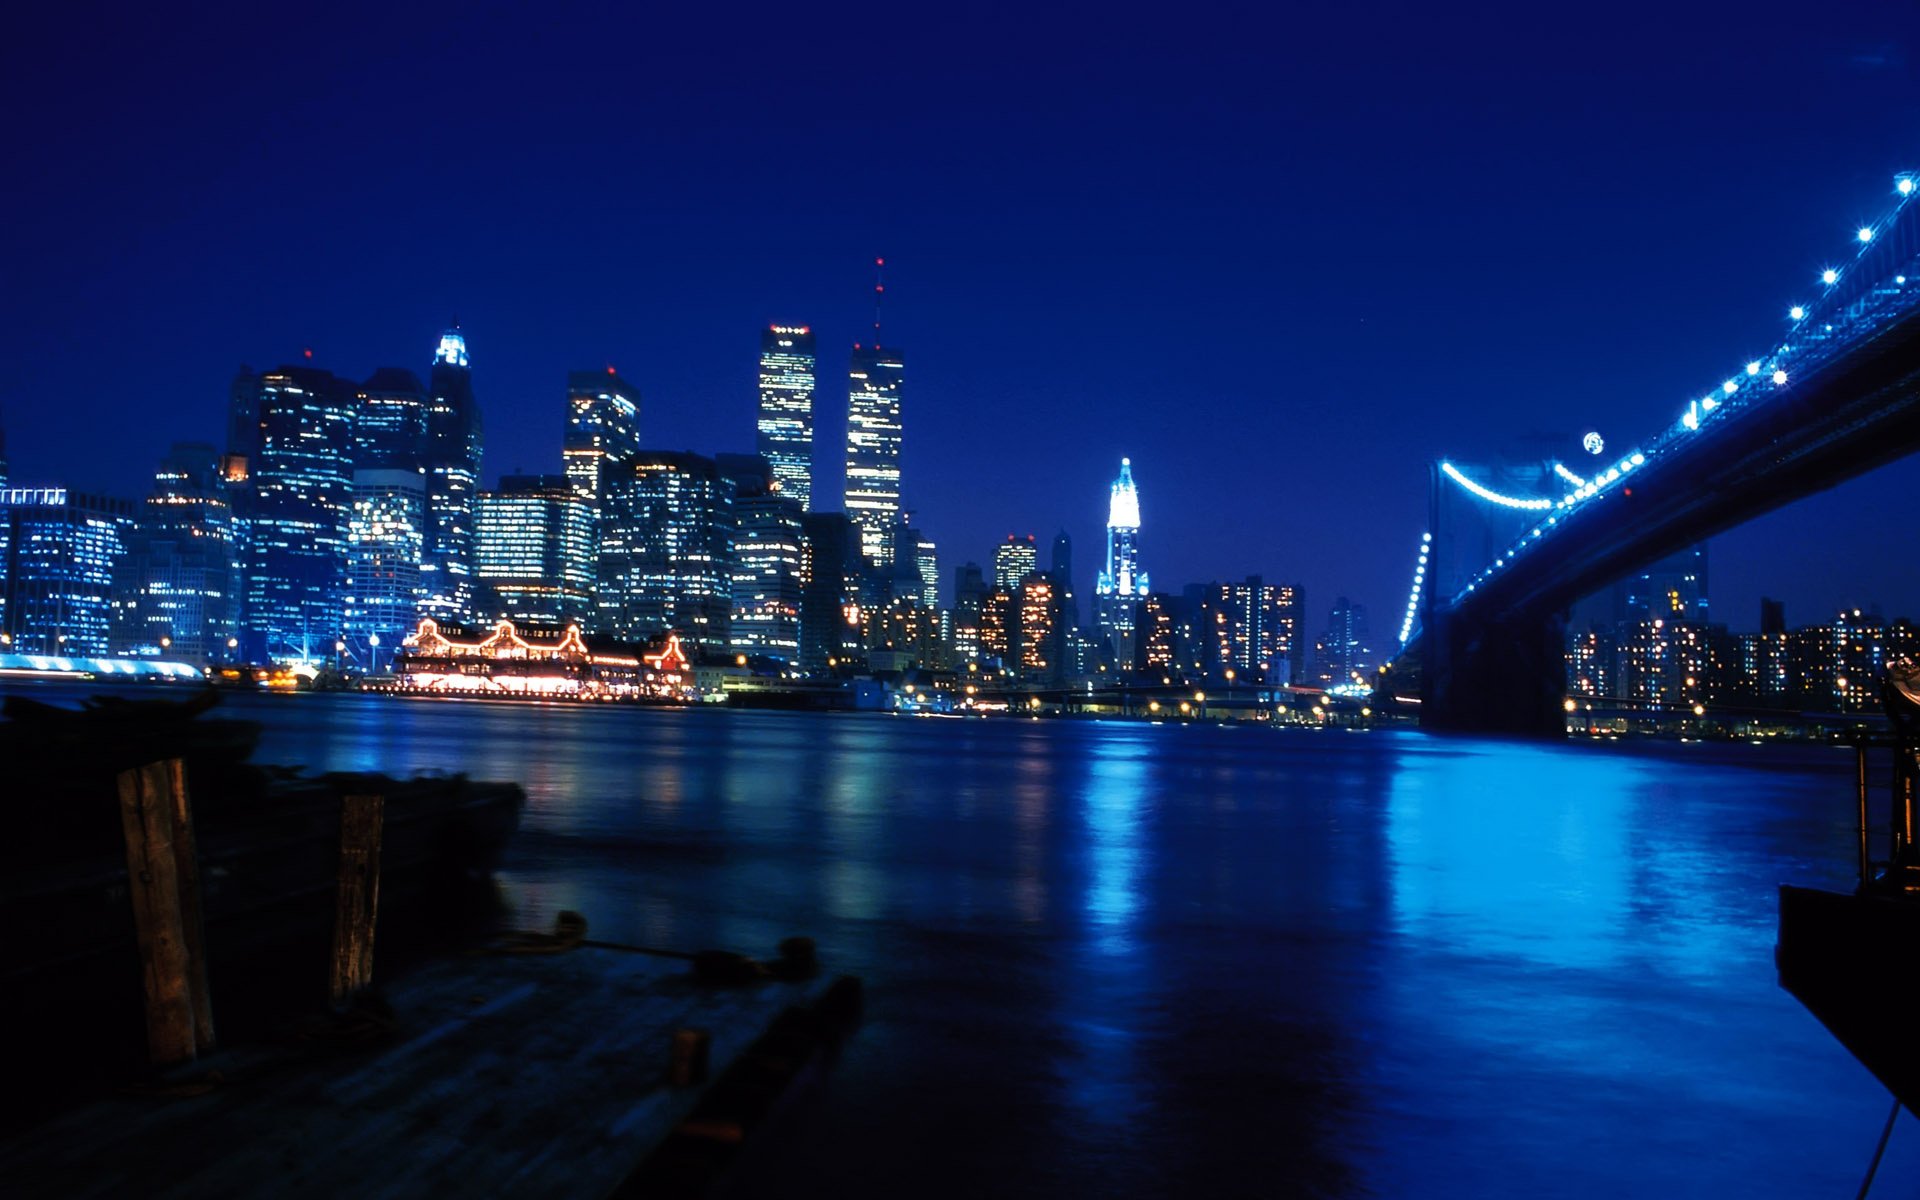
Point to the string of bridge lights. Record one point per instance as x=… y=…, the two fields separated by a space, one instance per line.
x=1730 y=394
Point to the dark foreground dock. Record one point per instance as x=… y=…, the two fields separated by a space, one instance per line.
x=583 y=1073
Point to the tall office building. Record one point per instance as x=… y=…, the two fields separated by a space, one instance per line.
x=926 y=560
x=177 y=591
x=873 y=448
x=1122 y=582
x=301 y=485
x=969 y=605
x=390 y=421
x=786 y=408
x=452 y=465
x=831 y=569
x=243 y=420
x=768 y=561
x=386 y=542
x=1252 y=627
x=1037 y=617
x=666 y=535
x=60 y=553
x=1343 y=651
x=1013 y=560
x=1675 y=588
x=603 y=429
x=534 y=552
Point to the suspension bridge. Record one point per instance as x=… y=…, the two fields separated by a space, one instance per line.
x=1482 y=641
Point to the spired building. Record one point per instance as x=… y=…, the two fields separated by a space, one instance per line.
x=786 y=408
x=1121 y=583
x=301 y=487
x=60 y=552
x=873 y=449
x=666 y=533
x=451 y=461
x=178 y=589
x=533 y=552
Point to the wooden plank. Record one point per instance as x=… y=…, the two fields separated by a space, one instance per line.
x=361 y=820
x=146 y=818
x=193 y=924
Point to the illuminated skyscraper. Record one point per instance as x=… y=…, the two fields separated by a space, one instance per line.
x=386 y=540
x=452 y=464
x=390 y=421
x=301 y=485
x=666 y=536
x=1013 y=560
x=59 y=554
x=1342 y=653
x=873 y=448
x=177 y=592
x=831 y=568
x=603 y=429
x=1122 y=582
x=786 y=408
x=1253 y=627
x=533 y=551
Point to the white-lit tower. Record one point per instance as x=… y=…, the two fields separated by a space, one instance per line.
x=1122 y=583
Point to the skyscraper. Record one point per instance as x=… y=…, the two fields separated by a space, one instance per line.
x=1253 y=627
x=452 y=464
x=829 y=591
x=177 y=594
x=873 y=448
x=1013 y=560
x=666 y=536
x=1342 y=651
x=603 y=429
x=533 y=551
x=786 y=408
x=386 y=541
x=301 y=486
x=390 y=421
x=1122 y=582
x=767 y=561
x=59 y=554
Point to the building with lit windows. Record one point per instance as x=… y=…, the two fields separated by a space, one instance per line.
x=786 y=408
x=666 y=540
x=386 y=540
x=1036 y=621
x=1122 y=581
x=177 y=593
x=451 y=461
x=60 y=554
x=1157 y=642
x=768 y=559
x=1251 y=627
x=1014 y=560
x=603 y=429
x=301 y=485
x=534 y=552
x=830 y=614
x=873 y=448
x=390 y=421
x=1344 y=651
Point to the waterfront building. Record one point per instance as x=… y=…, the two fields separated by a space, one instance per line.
x=540 y=661
x=386 y=541
x=390 y=421
x=300 y=489
x=969 y=600
x=1342 y=655
x=786 y=408
x=1036 y=621
x=999 y=626
x=903 y=635
x=1857 y=658
x=873 y=448
x=1122 y=581
x=60 y=555
x=666 y=534
x=1158 y=647
x=768 y=560
x=1013 y=560
x=1593 y=664
x=831 y=571
x=534 y=551
x=603 y=430
x=451 y=461
x=1251 y=627
x=176 y=594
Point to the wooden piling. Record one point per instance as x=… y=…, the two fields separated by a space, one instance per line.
x=164 y=881
x=361 y=821
x=688 y=1062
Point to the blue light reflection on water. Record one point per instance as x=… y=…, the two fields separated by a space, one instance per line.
x=1135 y=961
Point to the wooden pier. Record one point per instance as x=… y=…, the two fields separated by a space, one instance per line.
x=551 y=1074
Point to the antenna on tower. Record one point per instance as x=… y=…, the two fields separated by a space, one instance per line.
x=879 y=292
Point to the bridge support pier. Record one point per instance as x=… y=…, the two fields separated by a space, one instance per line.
x=1505 y=676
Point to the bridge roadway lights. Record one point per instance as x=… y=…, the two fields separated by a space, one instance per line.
x=1506 y=676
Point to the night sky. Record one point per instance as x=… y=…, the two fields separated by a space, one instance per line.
x=1282 y=259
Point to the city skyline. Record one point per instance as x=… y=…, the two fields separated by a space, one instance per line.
x=1206 y=322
